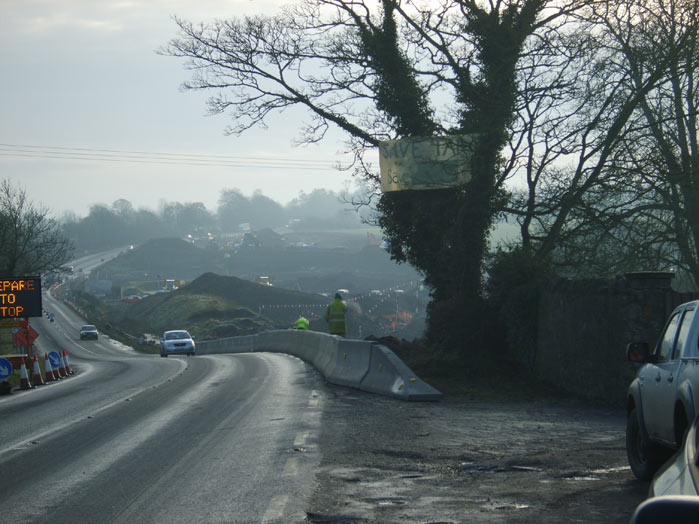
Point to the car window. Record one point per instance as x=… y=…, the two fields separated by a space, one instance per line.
x=667 y=342
x=683 y=333
x=177 y=335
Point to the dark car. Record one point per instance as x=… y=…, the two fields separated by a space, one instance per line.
x=89 y=332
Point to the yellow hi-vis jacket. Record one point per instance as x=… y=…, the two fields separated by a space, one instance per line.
x=335 y=316
x=302 y=323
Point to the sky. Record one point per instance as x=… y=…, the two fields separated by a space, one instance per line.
x=90 y=113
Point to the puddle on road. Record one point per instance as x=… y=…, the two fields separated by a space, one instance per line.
x=606 y=471
x=497 y=468
x=386 y=501
x=494 y=505
x=595 y=474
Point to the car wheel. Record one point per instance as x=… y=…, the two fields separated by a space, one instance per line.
x=163 y=355
x=644 y=457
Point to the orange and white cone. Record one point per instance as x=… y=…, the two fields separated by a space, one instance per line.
x=23 y=378
x=61 y=367
x=66 y=364
x=48 y=372
x=37 y=379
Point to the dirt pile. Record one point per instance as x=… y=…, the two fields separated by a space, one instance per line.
x=248 y=294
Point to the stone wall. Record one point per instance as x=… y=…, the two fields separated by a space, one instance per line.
x=585 y=325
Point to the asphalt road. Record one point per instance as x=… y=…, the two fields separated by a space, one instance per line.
x=138 y=438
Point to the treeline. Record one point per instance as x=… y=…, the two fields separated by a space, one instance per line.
x=108 y=226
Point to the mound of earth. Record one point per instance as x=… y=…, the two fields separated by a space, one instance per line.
x=269 y=238
x=249 y=294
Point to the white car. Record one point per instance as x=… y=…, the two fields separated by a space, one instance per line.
x=177 y=342
x=89 y=331
x=662 y=400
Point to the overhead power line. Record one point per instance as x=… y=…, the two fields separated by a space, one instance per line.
x=149 y=157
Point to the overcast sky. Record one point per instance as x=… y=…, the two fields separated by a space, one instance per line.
x=82 y=91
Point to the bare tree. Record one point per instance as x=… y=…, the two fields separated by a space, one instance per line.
x=30 y=241
x=385 y=70
x=606 y=140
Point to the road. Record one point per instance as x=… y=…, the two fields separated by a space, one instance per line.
x=138 y=438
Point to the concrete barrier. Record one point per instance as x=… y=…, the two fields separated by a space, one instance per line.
x=350 y=363
x=359 y=364
x=245 y=344
x=389 y=375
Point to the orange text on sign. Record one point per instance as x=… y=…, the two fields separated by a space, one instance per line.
x=17 y=285
x=13 y=311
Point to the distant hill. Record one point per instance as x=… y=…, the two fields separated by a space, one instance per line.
x=161 y=258
x=307 y=268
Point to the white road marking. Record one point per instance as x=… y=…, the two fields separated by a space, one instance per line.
x=291 y=467
x=314 y=401
x=301 y=439
x=275 y=510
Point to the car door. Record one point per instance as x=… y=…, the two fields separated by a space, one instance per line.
x=660 y=378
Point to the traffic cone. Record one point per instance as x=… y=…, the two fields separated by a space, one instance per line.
x=54 y=371
x=37 y=379
x=23 y=378
x=61 y=367
x=69 y=369
x=48 y=372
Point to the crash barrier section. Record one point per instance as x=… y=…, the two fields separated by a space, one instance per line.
x=360 y=364
x=244 y=344
x=387 y=372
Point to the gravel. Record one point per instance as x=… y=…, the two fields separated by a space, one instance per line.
x=542 y=460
